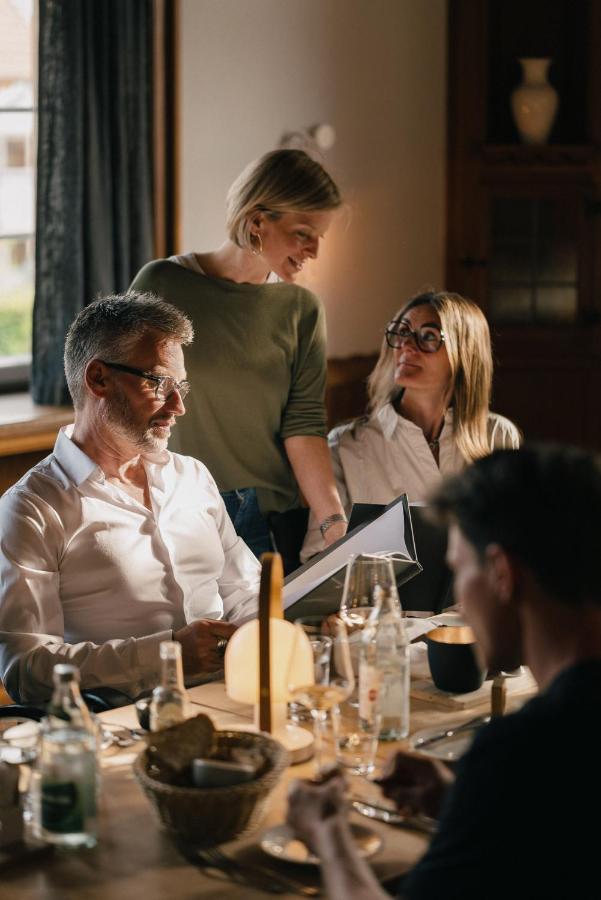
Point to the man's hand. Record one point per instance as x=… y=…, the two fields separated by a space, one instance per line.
x=317 y=814
x=416 y=784
x=311 y=804
x=199 y=645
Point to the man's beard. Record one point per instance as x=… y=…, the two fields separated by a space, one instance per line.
x=120 y=417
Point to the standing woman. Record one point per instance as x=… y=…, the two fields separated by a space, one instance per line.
x=429 y=408
x=256 y=415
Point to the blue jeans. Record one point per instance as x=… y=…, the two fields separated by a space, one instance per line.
x=249 y=522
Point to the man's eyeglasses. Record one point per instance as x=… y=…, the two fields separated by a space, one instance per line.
x=166 y=385
x=428 y=338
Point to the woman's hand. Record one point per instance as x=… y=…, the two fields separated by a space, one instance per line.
x=334 y=532
x=416 y=784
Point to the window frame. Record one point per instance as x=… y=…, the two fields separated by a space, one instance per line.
x=15 y=371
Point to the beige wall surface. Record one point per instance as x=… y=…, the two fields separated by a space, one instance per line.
x=252 y=70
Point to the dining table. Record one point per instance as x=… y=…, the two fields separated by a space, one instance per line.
x=137 y=859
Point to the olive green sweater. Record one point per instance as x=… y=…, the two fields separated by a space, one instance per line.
x=257 y=369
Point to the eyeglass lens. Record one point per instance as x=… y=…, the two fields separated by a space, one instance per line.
x=428 y=338
x=168 y=385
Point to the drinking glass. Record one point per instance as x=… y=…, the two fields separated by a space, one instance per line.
x=19 y=741
x=319 y=698
x=368 y=577
x=321 y=646
x=355 y=738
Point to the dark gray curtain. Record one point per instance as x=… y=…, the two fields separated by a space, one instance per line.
x=94 y=221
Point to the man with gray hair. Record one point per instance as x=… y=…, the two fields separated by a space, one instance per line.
x=113 y=544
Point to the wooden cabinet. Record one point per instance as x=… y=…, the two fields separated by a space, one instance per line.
x=524 y=222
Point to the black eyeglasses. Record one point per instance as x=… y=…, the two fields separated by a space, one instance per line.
x=428 y=338
x=166 y=385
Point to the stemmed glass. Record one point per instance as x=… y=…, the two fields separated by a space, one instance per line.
x=319 y=698
x=367 y=576
x=321 y=647
x=369 y=579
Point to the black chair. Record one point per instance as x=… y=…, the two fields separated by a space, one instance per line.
x=98 y=700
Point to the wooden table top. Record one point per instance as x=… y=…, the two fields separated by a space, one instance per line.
x=136 y=860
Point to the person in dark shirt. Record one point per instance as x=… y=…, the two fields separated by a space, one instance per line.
x=516 y=818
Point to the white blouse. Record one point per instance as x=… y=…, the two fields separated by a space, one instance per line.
x=376 y=460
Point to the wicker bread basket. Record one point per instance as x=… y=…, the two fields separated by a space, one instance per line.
x=210 y=816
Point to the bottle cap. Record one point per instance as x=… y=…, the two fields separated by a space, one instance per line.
x=170 y=650
x=65 y=672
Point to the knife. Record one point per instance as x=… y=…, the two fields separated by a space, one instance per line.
x=422 y=742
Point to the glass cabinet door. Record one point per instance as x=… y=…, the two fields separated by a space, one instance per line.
x=533 y=259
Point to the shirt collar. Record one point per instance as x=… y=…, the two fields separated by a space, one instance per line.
x=390 y=420
x=79 y=467
x=77 y=464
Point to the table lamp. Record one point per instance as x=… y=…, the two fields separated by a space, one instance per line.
x=265 y=658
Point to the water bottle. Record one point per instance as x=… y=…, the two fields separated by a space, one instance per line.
x=67 y=704
x=384 y=667
x=169 y=700
x=67 y=766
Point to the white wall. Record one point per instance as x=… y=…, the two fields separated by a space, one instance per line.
x=251 y=70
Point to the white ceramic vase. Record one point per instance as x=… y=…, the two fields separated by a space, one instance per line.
x=534 y=102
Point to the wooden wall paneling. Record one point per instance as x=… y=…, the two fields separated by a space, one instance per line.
x=14 y=467
x=346 y=391
x=542 y=402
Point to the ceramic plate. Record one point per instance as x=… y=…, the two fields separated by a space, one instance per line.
x=449 y=749
x=18 y=739
x=281 y=843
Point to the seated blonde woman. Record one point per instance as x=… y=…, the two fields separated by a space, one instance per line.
x=428 y=413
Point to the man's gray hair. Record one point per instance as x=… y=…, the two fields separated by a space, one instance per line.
x=111 y=326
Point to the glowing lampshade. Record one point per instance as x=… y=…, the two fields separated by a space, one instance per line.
x=242 y=661
x=290 y=665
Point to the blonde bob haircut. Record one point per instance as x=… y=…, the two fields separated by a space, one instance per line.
x=467 y=343
x=280 y=181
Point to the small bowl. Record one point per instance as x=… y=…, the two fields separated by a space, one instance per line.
x=455 y=663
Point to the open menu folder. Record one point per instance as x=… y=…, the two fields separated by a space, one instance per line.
x=316 y=588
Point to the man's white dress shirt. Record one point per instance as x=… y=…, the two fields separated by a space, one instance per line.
x=89 y=575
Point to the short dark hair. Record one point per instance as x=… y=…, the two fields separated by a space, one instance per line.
x=543 y=504
x=110 y=326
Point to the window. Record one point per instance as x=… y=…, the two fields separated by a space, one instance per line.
x=17 y=186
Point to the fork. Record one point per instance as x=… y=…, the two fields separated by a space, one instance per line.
x=121 y=735
x=276 y=882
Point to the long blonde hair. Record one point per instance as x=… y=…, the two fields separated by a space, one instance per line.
x=467 y=341
x=278 y=182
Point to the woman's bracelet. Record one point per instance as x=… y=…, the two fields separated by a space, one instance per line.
x=331 y=520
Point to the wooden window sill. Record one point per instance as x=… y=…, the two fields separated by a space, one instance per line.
x=26 y=427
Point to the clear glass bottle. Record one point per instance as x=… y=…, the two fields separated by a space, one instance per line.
x=169 y=699
x=384 y=667
x=66 y=703
x=67 y=766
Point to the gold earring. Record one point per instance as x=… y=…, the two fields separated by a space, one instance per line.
x=254 y=250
